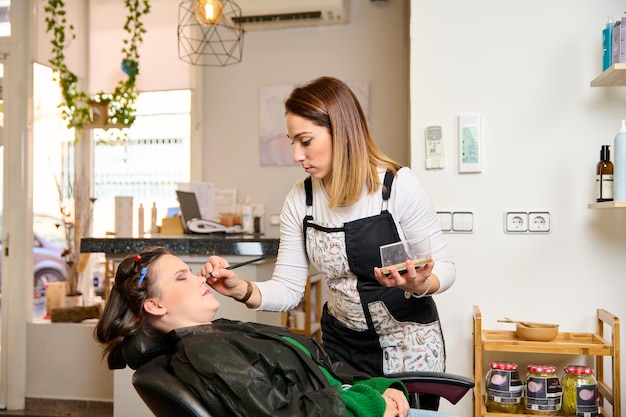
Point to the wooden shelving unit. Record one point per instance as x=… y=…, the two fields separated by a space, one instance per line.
x=608 y=204
x=591 y=344
x=612 y=77
x=312 y=309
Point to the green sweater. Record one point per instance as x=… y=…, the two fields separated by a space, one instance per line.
x=364 y=398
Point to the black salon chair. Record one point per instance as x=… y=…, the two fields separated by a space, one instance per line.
x=167 y=396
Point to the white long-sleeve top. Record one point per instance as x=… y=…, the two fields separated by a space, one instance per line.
x=409 y=204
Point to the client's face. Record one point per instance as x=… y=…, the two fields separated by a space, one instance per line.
x=185 y=297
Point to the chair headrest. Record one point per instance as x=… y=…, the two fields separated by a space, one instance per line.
x=140 y=348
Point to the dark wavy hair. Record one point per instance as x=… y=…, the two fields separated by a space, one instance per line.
x=123 y=313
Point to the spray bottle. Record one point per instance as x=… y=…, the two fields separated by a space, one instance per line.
x=619 y=164
x=247 y=217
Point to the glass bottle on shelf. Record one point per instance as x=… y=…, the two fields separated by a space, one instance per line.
x=504 y=388
x=604 y=176
x=544 y=393
x=580 y=392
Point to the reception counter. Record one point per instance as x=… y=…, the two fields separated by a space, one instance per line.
x=204 y=245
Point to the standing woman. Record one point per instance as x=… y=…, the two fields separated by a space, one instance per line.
x=354 y=200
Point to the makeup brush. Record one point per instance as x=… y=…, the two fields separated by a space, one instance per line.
x=234 y=266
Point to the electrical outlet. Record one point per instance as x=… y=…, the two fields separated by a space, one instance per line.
x=539 y=221
x=274 y=219
x=515 y=222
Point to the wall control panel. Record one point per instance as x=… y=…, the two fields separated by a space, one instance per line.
x=470 y=147
x=435 y=154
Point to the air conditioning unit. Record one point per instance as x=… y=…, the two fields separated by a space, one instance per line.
x=276 y=14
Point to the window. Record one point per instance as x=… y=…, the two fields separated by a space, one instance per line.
x=147 y=162
x=5 y=24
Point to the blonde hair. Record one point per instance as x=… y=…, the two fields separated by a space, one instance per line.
x=329 y=102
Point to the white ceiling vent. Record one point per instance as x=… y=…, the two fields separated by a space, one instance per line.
x=275 y=14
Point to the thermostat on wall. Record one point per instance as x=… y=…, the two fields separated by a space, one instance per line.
x=470 y=147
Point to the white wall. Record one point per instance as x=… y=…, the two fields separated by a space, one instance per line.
x=76 y=15
x=63 y=361
x=526 y=68
x=160 y=68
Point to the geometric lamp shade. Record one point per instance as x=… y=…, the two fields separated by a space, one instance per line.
x=213 y=44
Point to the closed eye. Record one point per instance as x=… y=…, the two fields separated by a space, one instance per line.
x=183 y=274
x=303 y=142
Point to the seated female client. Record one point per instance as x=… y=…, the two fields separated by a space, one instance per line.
x=236 y=368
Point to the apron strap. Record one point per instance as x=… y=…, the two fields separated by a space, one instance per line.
x=308 y=188
x=387 y=182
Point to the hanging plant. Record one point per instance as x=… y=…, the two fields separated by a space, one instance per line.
x=119 y=104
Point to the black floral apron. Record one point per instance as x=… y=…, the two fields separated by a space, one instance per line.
x=376 y=329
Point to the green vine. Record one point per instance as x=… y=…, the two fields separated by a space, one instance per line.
x=77 y=104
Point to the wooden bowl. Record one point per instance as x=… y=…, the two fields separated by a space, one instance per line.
x=539 y=332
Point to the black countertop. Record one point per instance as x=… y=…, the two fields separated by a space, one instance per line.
x=248 y=245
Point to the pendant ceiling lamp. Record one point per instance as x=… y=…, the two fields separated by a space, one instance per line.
x=210 y=32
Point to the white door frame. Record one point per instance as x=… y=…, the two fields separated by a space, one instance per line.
x=17 y=207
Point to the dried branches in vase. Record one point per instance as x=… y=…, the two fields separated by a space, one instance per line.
x=76 y=216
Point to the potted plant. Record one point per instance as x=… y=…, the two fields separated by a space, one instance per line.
x=115 y=109
x=77 y=105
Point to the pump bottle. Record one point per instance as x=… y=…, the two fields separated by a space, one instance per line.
x=619 y=164
x=604 y=176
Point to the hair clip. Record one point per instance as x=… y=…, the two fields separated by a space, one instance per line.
x=144 y=271
x=137 y=258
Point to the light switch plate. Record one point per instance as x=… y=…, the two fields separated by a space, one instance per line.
x=463 y=221
x=445 y=220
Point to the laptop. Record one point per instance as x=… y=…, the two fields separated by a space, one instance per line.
x=192 y=218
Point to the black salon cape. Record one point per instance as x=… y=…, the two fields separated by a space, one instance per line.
x=248 y=369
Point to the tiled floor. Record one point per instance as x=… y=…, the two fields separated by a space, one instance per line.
x=38 y=407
